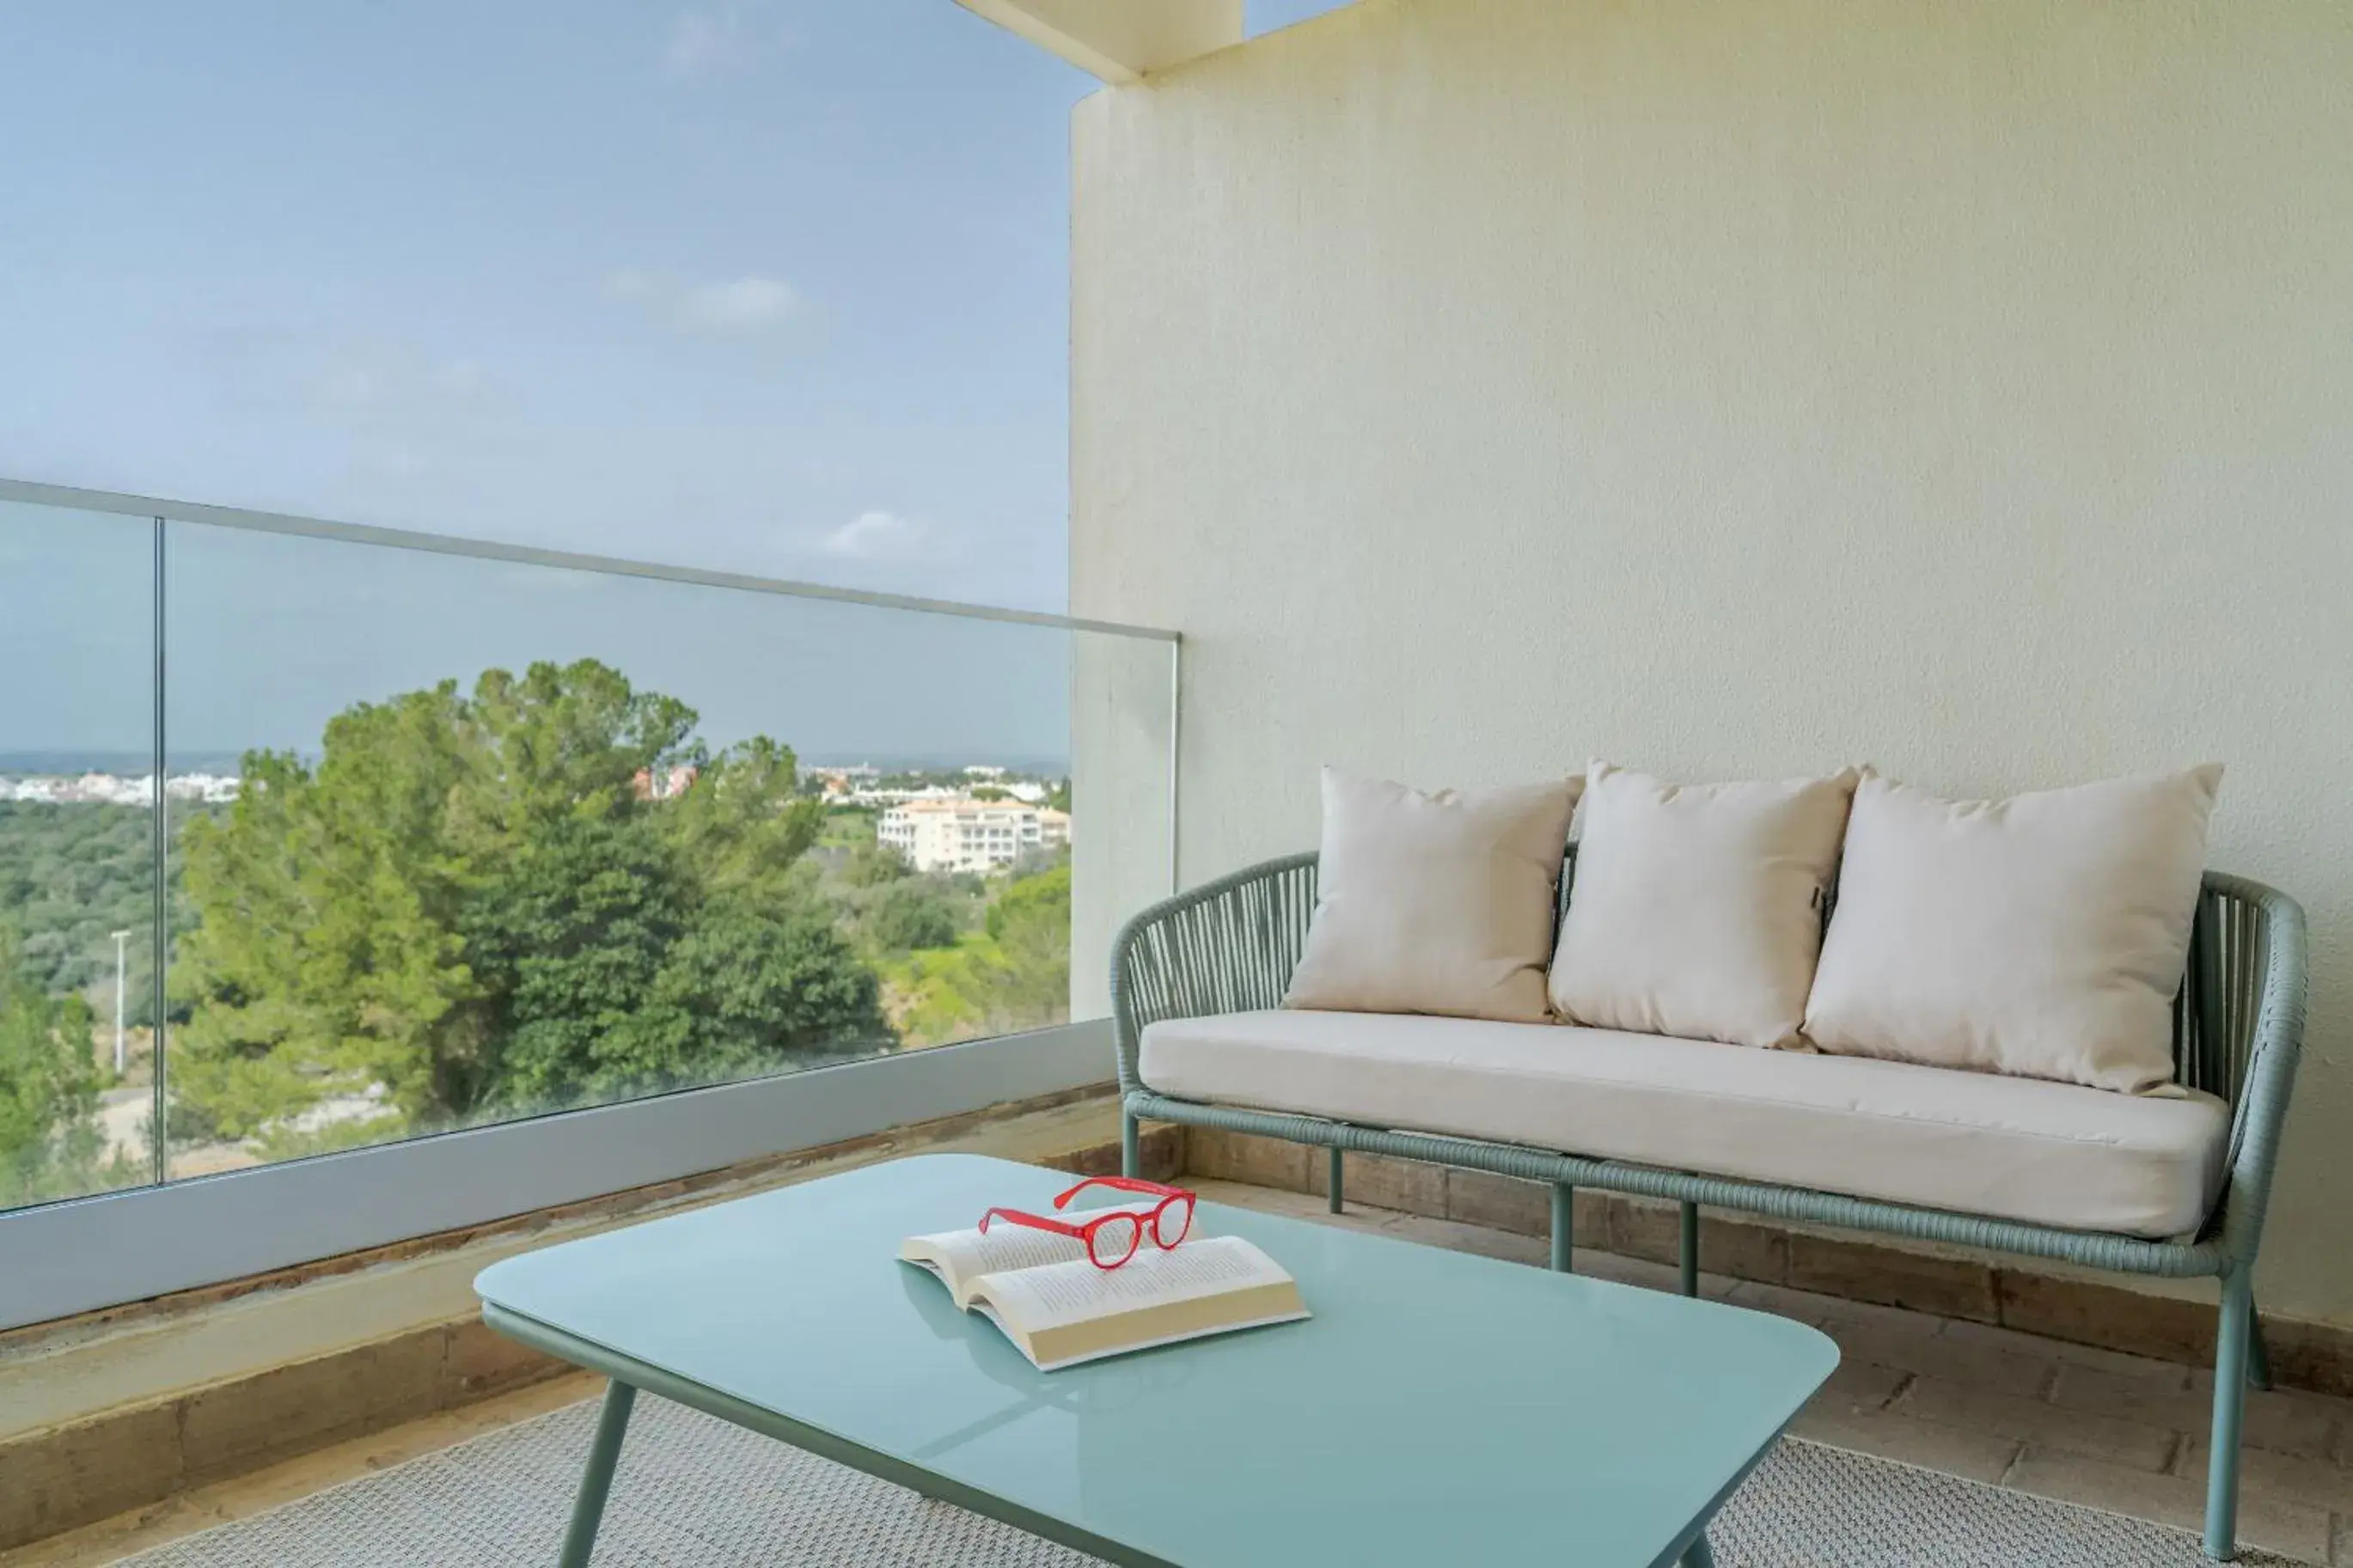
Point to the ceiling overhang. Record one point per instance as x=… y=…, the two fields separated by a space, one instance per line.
x=1119 y=41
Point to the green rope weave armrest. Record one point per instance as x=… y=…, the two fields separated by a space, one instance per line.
x=1227 y=946
x=2248 y=964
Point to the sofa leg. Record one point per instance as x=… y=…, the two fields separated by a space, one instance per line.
x=2230 y=1404
x=1131 y=1147
x=2259 y=1355
x=1564 y=1227
x=1690 y=1249
x=1332 y=1178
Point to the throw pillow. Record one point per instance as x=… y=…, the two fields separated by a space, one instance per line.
x=1434 y=903
x=2043 y=935
x=1697 y=909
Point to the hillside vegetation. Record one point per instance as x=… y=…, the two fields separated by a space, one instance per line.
x=472 y=906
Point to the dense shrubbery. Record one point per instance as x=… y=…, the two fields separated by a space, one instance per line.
x=70 y=877
x=49 y=1144
x=1014 y=973
x=915 y=913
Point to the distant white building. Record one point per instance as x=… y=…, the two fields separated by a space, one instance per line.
x=213 y=788
x=106 y=789
x=845 y=784
x=960 y=834
x=901 y=796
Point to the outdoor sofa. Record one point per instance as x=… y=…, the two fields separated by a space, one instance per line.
x=1198 y=988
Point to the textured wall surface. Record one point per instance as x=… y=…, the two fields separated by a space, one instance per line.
x=1482 y=385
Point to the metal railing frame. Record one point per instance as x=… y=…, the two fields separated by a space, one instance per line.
x=79 y=1254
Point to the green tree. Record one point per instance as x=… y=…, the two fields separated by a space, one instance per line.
x=622 y=970
x=479 y=901
x=912 y=913
x=328 y=957
x=49 y=1139
x=874 y=864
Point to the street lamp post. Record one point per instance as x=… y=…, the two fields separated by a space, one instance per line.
x=120 y=938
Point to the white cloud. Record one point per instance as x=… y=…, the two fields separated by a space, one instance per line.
x=744 y=305
x=704 y=42
x=876 y=536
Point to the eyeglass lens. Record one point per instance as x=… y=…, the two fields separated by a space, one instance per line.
x=1173 y=1220
x=1114 y=1241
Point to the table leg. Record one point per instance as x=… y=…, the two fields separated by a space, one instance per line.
x=1697 y=1555
x=596 y=1480
x=1564 y=1227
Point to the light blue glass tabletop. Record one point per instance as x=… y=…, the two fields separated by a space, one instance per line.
x=1438 y=1408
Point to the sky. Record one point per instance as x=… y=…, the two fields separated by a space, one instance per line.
x=778 y=287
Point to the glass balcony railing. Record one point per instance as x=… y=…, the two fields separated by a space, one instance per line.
x=315 y=837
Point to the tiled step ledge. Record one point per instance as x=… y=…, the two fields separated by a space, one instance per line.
x=2172 y=1320
x=117 y=1409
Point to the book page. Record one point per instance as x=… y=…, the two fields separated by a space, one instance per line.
x=1065 y=1293
x=968 y=1254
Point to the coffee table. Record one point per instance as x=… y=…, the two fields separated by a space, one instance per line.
x=1440 y=1407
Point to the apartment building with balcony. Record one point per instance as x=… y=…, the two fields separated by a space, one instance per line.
x=964 y=833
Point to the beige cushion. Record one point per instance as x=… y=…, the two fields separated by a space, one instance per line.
x=2042 y=935
x=1697 y=909
x=1434 y=903
x=2048 y=1153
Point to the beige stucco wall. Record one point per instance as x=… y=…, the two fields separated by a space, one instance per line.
x=1732 y=389
x=1121 y=743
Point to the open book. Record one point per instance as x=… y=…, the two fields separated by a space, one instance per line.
x=1060 y=1309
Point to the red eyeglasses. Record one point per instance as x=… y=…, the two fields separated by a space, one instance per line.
x=1111 y=1238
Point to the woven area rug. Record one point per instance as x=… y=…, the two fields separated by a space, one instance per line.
x=695 y=1492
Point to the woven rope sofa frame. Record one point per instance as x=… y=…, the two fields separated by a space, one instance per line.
x=1231 y=945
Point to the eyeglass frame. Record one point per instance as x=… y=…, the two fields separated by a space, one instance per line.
x=1147 y=1222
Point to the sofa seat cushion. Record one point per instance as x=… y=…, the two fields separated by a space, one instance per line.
x=2011 y=1148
